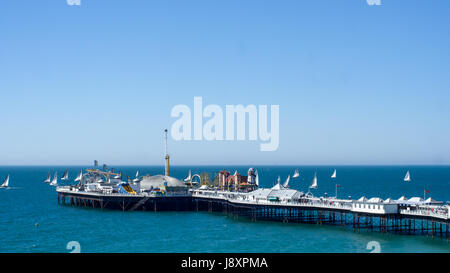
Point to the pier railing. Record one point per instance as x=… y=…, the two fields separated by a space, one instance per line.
x=429 y=211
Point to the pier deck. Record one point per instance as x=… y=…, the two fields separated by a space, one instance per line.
x=429 y=220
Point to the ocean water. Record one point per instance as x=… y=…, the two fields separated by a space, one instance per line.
x=32 y=221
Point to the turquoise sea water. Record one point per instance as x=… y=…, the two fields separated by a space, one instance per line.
x=30 y=201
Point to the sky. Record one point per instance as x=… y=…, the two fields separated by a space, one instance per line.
x=355 y=83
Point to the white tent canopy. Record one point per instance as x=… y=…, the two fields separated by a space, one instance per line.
x=432 y=201
x=362 y=199
x=403 y=198
x=415 y=200
x=375 y=200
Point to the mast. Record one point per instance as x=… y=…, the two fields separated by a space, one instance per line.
x=167 y=155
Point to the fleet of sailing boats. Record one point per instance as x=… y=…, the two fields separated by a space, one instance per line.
x=314 y=184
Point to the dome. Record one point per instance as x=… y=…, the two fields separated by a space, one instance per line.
x=157 y=181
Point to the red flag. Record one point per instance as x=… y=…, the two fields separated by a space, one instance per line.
x=338 y=186
x=427 y=191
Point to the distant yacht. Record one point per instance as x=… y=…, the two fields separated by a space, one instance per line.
x=334 y=174
x=48 y=178
x=257 y=178
x=80 y=175
x=286 y=184
x=407 y=177
x=65 y=175
x=189 y=177
x=296 y=174
x=5 y=182
x=119 y=176
x=136 y=179
x=55 y=180
x=314 y=182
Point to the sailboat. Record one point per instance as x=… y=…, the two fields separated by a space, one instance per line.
x=55 y=180
x=278 y=180
x=137 y=177
x=296 y=174
x=407 y=177
x=119 y=176
x=334 y=174
x=257 y=178
x=286 y=183
x=48 y=178
x=65 y=175
x=189 y=177
x=5 y=182
x=80 y=175
x=314 y=182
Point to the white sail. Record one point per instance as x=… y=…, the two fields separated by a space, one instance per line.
x=48 y=178
x=334 y=174
x=286 y=184
x=407 y=177
x=118 y=176
x=80 y=175
x=296 y=174
x=137 y=174
x=189 y=177
x=65 y=175
x=278 y=180
x=5 y=182
x=55 y=179
x=257 y=178
x=314 y=182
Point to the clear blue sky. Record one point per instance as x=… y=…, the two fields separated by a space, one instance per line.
x=356 y=84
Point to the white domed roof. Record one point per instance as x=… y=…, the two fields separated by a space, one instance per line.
x=157 y=181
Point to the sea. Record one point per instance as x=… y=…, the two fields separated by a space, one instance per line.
x=31 y=221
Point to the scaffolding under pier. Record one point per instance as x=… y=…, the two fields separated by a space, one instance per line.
x=126 y=202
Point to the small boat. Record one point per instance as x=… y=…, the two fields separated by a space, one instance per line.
x=407 y=177
x=48 y=178
x=257 y=178
x=65 y=175
x=278 y=180
x=80 y=175
x=137 y=177
x=286 y=183
x=55 y=180
x=119 y=176
x=5 y=182
x=189 y=177
x=314 y=182
x=296 y=174
x=334 y=174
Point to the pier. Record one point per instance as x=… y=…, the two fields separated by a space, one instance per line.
x=284 y=205
x=430 y=220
